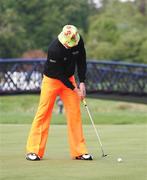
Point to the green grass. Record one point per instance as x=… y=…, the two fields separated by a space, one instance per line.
x=125 y=141
x=21 y=110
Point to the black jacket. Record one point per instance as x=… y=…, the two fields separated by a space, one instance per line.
x=61 y=62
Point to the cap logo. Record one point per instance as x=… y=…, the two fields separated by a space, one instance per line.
x=67 y=33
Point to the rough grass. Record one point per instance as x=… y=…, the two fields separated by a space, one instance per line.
x=21 y=110
x=118 y=141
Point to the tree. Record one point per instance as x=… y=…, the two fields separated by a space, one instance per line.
x=118 y=37
x=142 y=5
x=10 y=33
x=143 y=52
x=39 y=22
x=43 y=20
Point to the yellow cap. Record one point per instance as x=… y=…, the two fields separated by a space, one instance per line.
x=69 y=36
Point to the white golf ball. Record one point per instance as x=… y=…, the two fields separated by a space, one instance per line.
x=119 y=160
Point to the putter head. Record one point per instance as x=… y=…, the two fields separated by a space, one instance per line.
x=104 y=155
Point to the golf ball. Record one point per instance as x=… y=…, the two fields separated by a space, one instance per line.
x=119 y=159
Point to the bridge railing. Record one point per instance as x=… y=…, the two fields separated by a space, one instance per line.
x=25 y=76
x=117 y=77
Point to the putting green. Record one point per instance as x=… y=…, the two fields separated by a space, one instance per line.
x=125 y=141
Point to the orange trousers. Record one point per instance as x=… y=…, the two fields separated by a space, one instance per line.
x=38 y=135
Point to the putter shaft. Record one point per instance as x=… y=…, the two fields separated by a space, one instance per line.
x=98 y=137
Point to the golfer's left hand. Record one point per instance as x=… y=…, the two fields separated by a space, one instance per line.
x=82 y=90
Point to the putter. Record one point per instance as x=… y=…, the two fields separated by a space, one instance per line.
x=97 y=134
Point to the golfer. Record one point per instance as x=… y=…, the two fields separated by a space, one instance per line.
x=64 y=54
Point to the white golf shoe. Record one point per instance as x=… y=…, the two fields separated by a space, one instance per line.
x=32 y=157
x=84 y=157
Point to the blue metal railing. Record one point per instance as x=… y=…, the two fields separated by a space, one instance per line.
x=25 y=76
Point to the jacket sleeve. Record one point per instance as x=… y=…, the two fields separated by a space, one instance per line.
x=56 y=69
x=81 y=63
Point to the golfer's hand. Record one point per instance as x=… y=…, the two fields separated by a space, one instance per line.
x=77 y=90
x=83 y=90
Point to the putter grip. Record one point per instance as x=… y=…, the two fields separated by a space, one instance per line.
x=84 y=102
